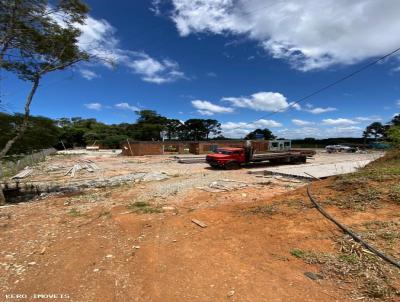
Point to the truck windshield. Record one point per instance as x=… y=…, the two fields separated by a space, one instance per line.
x=219 y=151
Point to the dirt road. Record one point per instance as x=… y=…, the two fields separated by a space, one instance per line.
x=137 y=242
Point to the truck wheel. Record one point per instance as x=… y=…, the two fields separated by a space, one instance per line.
x=299 y=160
x=232 y=166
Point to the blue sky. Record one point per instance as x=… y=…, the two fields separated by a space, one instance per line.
x=235 y=61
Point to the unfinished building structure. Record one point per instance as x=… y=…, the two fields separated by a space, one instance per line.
x=139 y=148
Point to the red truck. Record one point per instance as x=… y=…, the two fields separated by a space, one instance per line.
x=234 y=158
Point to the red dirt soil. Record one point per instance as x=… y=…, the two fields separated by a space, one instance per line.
x=116 y=255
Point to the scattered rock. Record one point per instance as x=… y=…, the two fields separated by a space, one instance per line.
x=313 y=276
x=109 y=256
x=32 y=263
x=167 y=208
x=231 y=293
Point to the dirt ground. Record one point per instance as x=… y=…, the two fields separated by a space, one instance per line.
x=137 y=241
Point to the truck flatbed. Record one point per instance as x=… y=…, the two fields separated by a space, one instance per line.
x=281 y=154
x=233 y=158
x=272 y=155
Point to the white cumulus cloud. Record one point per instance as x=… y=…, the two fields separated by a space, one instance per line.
x=155 y=71
x=98 y=38
x=339 y=122
x=94 y=106
x=299 y=122
x=373 y=118
x=319 y=110
x=262 y=101
x=308 y=34
x=208 y=108
x=241 y=129
x=88 y=74
x=126 y=106
x=299 y=132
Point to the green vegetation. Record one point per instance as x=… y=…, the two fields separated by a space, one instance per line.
x=265 y=133
x=307 y=256
x=144 y=207
x=395 y=193
x=74 y=212
x=44 y=132
x=298 y=253
x=359 y=200
x=34 y=43
x=350 y=259
x=394 y=134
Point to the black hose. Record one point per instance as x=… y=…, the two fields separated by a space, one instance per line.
x=346 y=230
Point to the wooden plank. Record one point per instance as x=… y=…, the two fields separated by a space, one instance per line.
x=199 y=223
x=22 y=174
x=73 y=171
x=69 y=170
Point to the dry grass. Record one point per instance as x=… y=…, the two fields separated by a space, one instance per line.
x=394 y=193
x=374 y=186
x=358 y=200
x=353 y=263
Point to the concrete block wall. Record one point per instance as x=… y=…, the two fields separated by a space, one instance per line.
x=140 y=148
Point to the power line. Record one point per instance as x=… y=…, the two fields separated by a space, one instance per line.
x=357 y=71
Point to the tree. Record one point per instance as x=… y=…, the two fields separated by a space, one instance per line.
x=33 y=43
x=173 y=128
x=375 y=130
x=195 y=129
x=395 y=120
x=41 y=133
x=267 y=134
x=148 y=127
x=212 y=127
x=394 y=135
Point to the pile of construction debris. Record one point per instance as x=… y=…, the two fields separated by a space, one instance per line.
x=24 y=173
x=225 y=185
x=82 y=164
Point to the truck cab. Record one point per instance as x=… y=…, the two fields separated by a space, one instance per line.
x=229 y=158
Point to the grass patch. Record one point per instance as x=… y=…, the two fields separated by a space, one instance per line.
x=74 y=212
x=347 y=182
x=359 y=199
x=298 y=253
x=307 y=256
x=264 y=210
x=394 y=193
x=350 y=259
x=144 y=207
x=388 y=231
x=352 y=263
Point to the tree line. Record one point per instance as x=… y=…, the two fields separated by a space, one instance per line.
x=43 y=132
x=377 y=130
